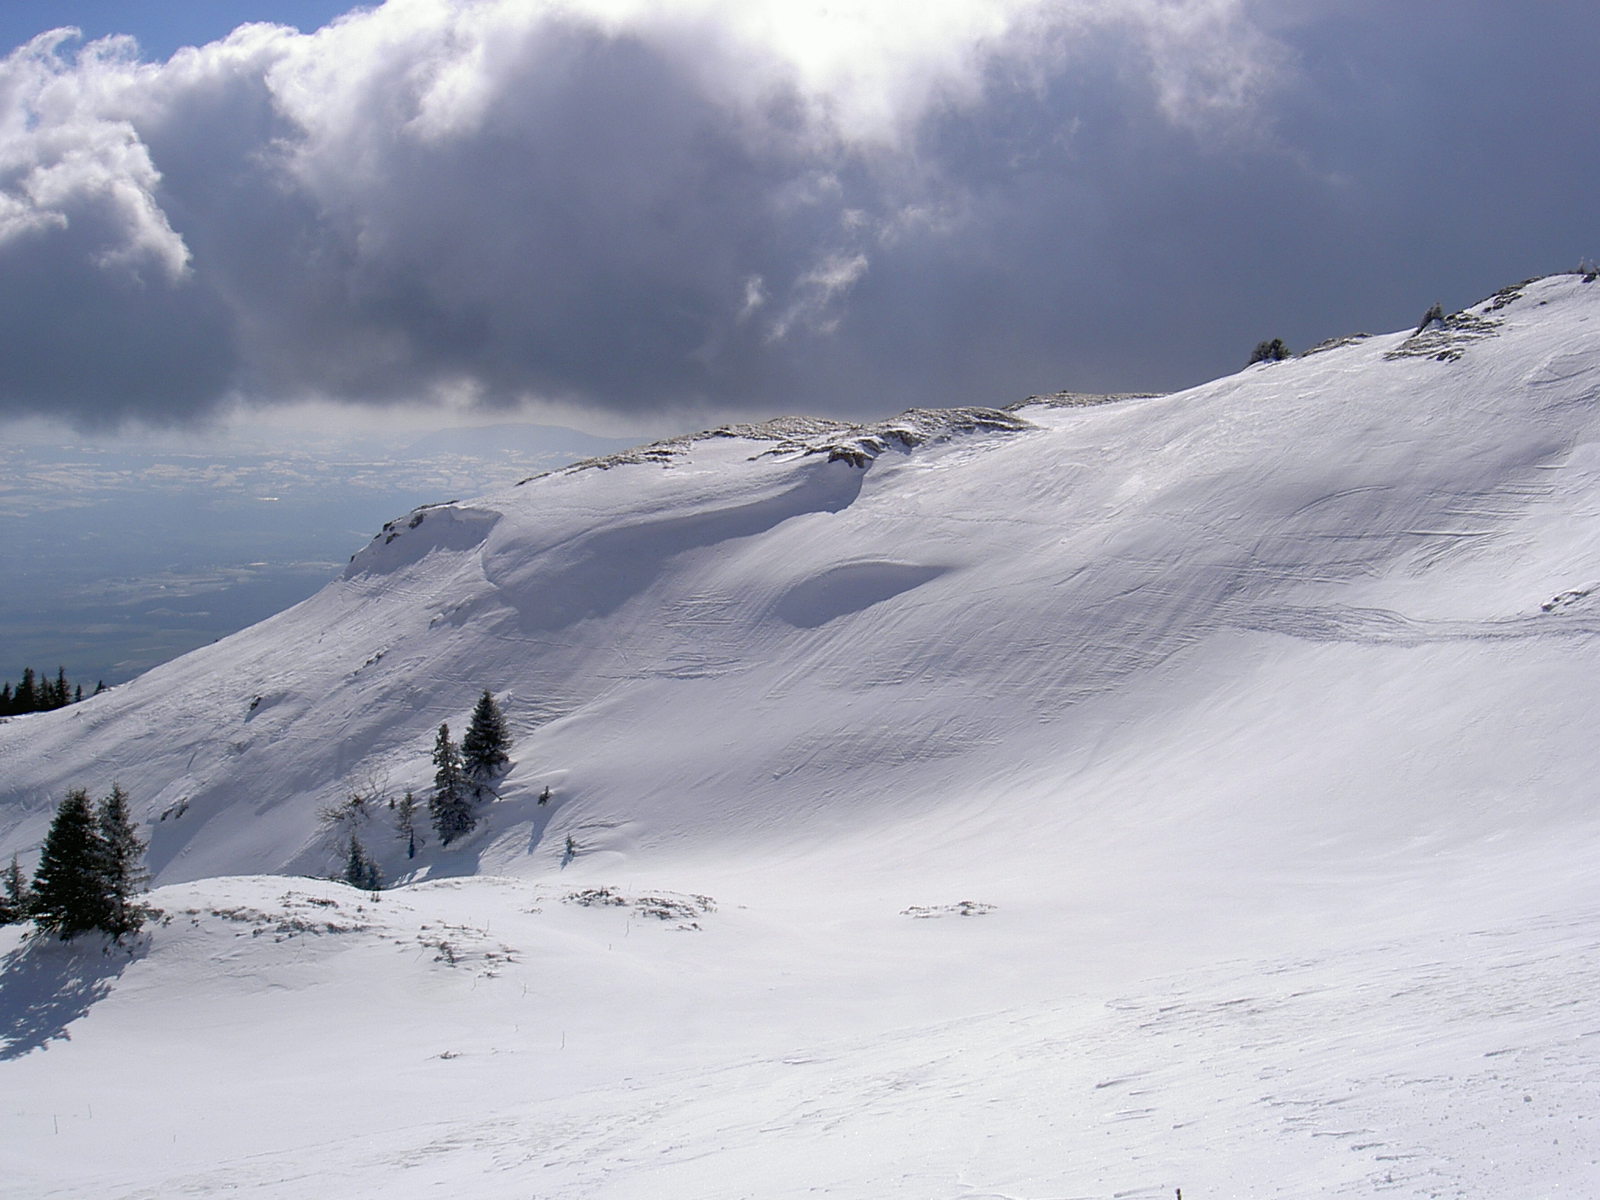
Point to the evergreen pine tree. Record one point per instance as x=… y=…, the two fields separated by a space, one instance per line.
x=25 y=699
x=355 y=863
x=359 y=870
x=451 y=811
x=405 y=817
x=125 y=876
x=69 y=888
x=483 y=750
x=13 y=894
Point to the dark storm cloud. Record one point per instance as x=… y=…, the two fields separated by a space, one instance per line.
x=723 y=212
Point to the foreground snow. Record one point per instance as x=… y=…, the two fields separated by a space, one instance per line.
x=1193 y=791
x=285 y=1038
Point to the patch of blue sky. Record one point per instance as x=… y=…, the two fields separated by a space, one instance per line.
x=160 y=26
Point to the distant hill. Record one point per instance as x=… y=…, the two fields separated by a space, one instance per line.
x=513 y=438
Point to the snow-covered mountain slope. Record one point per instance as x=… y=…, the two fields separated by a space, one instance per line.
x=1254 y=721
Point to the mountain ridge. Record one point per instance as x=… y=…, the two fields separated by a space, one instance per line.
x=574 y=563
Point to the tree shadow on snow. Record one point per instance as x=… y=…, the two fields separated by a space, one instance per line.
x=455 y=862
x=47 y=984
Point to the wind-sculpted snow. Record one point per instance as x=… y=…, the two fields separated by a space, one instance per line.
x=594 y=571
x=449 y=527
x=1253 y=722
x=849 y=588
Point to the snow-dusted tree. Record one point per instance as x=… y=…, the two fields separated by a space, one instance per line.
x=449 y=807
x=405 y=819
x=483 y=750
x=125 y=876
x=13 y=894
x=69 y=888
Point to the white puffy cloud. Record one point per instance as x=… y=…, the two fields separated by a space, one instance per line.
x=69 y=152
x=709 y=205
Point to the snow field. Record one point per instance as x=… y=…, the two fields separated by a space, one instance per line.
x=302 y=1038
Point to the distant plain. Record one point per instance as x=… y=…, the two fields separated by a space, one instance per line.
x=119 y=554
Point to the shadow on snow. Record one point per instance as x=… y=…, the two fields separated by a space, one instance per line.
x=47 y=984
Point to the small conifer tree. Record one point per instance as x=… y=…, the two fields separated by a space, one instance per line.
x=13 y=894
x=405 y=819
x=359 y=870
x=483 y=750
x=125 y=876
x=69 y=888
x=449 y=807
x=1273 y=351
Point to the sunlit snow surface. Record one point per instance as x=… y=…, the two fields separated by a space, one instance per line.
x=1092 y=801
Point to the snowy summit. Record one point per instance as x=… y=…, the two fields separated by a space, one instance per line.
x=1091 y=797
